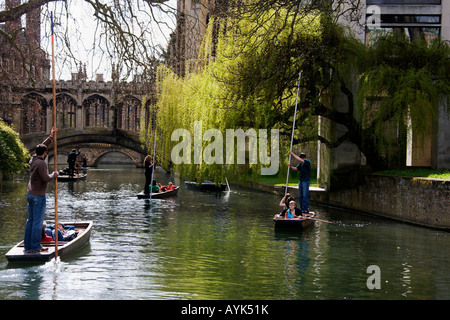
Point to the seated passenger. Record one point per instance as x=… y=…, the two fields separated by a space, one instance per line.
x=45 y=237
x=285 y=201
x=170 y=186
x=155 y=188
x=292 y=212
x=161 y=187
x=64 y=234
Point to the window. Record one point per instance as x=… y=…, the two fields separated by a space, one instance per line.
x=415 y=27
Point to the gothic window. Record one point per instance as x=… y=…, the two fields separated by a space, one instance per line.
x=33 y=115
x=129 y=113
x=96 y=112
x=66 y=111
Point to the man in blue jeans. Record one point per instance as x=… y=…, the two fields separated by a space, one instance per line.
x=37 y=187
x=303 y=185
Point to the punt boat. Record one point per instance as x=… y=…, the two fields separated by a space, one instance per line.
x=293 y=223
x=76 y=177
x=205 y=186
x=83 y=231
x=159 y=195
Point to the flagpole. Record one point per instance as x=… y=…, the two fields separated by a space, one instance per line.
x=55 y=144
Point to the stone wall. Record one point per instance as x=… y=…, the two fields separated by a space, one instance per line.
x=421 y=201
x=415 y=200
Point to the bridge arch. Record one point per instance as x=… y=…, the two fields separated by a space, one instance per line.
x=97 y=155
x=98 y=142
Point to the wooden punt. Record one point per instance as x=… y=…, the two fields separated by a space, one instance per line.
x=159 y=195
x=205 y=186
x=79 y=176
x=293 y=223
x=83 y=229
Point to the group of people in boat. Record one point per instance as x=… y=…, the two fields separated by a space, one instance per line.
x=74 y=165
x=155 y=187
x=290 y=210
x=288 y=203
x=65 y=233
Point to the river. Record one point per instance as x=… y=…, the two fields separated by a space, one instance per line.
x=216 y=246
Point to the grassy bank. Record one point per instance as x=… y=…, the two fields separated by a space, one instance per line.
x=420 y=173
x=280 y=179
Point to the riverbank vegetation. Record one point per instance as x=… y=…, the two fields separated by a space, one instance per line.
x=420 y=173
x=13 y=153
x=280 y=179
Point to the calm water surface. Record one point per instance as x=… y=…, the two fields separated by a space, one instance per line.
x=202 y=245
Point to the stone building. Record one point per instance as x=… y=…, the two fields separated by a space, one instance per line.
x=26 y=87
x=24 y=44
x=192 y=21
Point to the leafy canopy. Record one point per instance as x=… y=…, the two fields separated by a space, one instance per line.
x=224 y=92
x=13 y=153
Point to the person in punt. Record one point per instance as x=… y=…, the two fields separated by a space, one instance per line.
x=45 y=237
x=64 y=234
x=148 y=165
x=155 y=187
x=72 y=160
x=304 y=167
x=291 y=212
x=170 y=186
x=284 y=203
x=36 y=196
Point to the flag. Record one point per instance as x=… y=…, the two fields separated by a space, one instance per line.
x=51 y=19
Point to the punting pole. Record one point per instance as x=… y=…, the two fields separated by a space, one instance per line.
x=228 y=185
x=55 y=145
x=293 y=129
x=153 y=167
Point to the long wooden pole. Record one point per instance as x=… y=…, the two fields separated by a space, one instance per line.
x=293 y=129
x=55 y=144
x=153 y=166
x=315 y=219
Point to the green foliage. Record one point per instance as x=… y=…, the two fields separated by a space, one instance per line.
x=13 y=153
x=410 y=76
x=421 y=173
x=402 y=83
x=226 y=92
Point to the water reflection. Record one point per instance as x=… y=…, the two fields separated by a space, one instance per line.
x=202 y=245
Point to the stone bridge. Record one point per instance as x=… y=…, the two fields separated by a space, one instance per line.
x=97 y=116
x=95 y=143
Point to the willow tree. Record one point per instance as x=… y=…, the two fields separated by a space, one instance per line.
x=262 y=47
x=214 y=96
